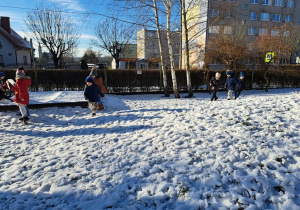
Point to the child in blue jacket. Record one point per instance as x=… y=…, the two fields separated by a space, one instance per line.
x=91 y=94
x=242 y=86
x=231 y=83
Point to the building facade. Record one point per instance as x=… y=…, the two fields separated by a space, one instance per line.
x=148 y=48
x=257 y=16
x=14 y=50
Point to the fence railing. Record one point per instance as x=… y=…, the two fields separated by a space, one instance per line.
x=124 y=81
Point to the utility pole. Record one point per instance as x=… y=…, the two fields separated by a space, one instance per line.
x=34 y=67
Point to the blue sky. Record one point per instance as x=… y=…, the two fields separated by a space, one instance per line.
x=77 y=9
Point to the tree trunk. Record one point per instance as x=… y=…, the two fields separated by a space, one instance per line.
x=266 y=77
x=55 y=60
x=171 y=54
x=187 y=53
x=163 y=65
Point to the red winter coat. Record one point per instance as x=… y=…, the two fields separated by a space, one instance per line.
x=21 y=90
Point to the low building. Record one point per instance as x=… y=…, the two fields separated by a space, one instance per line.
x=14 y=50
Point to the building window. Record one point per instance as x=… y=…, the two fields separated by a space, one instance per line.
x=214 y=30
x=229 y=14
x=1 y=58
x=290 y=3
x=254 y=1
x=286 y=33
x=245 y=6
x=25 y=60
x=266 y=2
x=231 y=0
x=278 y=3
x=288 y=18
x=253 y=15
x=251 y=31
x=275 y=32
x=263 y=31
x=214 y=13
x=265 y=16
x=227 y=30
x=277 y=17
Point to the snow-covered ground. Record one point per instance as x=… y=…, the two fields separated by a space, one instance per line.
x=151 y=152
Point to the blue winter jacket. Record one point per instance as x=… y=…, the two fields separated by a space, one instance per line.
x=231 y=82
x=92 y=93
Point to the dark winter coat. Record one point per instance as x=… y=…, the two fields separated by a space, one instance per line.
x=243 y=84
x=21 y=90
x=231 y=82
x=92 y=93
x=214 y=84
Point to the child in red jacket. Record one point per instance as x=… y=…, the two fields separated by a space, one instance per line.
x=21 y=92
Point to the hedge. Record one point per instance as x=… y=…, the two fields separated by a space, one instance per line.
x=121 y=81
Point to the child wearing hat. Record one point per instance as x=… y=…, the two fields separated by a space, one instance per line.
x=239 y=89
x=98 y=81
x=231 y=83
x=2 y=90
x=214 y=85
x=91 y=94
x=21 y=93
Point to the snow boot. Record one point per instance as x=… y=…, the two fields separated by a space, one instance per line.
x=100 y=107
x=25 y=120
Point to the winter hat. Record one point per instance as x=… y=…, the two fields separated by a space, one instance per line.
x=20 y=72
x=229 y=72
x=242 y=74
x=2 y=74
x=89 y=79
x=93 y=72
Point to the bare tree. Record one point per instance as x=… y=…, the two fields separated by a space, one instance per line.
x=113 y=36
x=169 y=6
x=229 y=46
x=163 y=64
x=54 y=30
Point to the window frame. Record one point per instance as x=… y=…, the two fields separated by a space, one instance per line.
x=266 y=2
x=251 y=31
x=254 y=1
x=275 y=17
x=290 y=4
x=251 y=15
x=290 y=19
x=281 y=3
x=262 y=16
x=262 y=32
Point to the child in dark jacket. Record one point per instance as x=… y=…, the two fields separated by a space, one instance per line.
x=231 y=83
x=214 y=84
x=3 y=88
x=91 y=94
x=239 y=89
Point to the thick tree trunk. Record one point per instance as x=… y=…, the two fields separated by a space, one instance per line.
x=163 y=65
x=171 y=54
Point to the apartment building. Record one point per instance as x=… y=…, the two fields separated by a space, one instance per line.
x=148 y=48
x=259 y=16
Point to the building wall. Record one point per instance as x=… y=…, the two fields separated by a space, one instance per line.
x=7 y=51
x=148 y=46
x=241 y=11
x=21 y=54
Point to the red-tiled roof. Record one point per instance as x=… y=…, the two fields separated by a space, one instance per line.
x=15 y=39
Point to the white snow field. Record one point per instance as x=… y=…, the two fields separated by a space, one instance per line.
x=151 y=152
